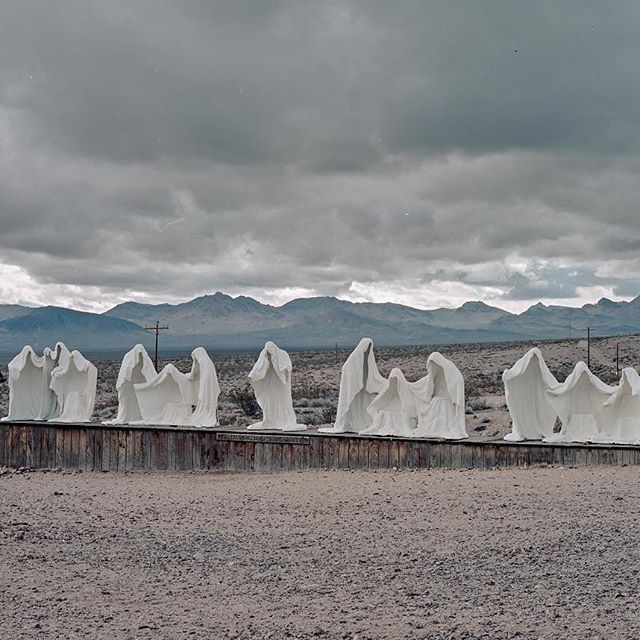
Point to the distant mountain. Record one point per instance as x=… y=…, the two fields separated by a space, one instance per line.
x=45 y=326
x=13 y=310
x=221 y=322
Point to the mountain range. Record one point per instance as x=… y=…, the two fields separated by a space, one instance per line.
x=219 y=321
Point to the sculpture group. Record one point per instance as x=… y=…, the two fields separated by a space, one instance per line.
x=61 y=386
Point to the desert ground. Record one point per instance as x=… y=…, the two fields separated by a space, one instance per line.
x=521 y=553
x=316 y=377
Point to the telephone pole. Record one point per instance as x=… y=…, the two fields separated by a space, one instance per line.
x=157 y=330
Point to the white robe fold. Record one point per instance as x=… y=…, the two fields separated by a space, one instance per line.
x=30 y=393
x=578 y=402
x=393 y=410
x=271 y=381
x=136 y=368
x=439 y=398
x=525 y=385
x=360 y=383
x=74 y=383
x=621 y=412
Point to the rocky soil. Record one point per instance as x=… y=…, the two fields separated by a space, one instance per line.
x=523 y=553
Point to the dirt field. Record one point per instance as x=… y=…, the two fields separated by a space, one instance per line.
x=545 y=553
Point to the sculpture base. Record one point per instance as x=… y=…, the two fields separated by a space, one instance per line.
x=99 y=447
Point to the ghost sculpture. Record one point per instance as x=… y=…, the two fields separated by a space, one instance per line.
x=439 y=398
x=74 y=383
x=136 y=368
x=360 y=383
x=578 y=402
x=525 y=386
x=185 y=399
x=271 y=381
x=30 y=394
x=621 y=412
x=205 y=389
x=394 y=408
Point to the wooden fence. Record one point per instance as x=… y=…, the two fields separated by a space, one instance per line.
x=94 y=447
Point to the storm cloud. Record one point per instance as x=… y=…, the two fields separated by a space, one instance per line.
x=419 y=152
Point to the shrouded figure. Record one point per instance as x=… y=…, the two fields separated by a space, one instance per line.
x=439 y=398
x=360 y=383
x=204 y=382
x=271 y=381
x=136 y=368
x=185 y=399
x=30 y=394
x=525 y=386
x=621 y=412
x=578 y=401
x=74 y=383
x=167 y=399
x=393 y=410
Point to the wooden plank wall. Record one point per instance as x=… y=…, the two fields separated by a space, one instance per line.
x=104 y=448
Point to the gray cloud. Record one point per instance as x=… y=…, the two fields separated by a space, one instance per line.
x=162 y=149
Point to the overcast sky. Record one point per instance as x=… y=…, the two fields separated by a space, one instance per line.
x=420 y=152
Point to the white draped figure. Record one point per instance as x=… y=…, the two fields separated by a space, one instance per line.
x=439 y=398
x=167 y=399
x=360 y=383
x=136 y=368
x=271 y=381
x=578 y=402
x=394 y=409
x=525 y=386
x=30 y=394
x=205 y=389
x=74 y=383
x=621 y=412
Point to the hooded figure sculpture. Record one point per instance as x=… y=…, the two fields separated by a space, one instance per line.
x=185 y=399
x=525 y=386
x=167 y=399
x=578 y=401
x=621 y=412
x=204 y=382
x=136 y=368
x=74 y=383
x=271 y=381
x=30 y=394
x=439 y=398
x=394 y=409
x=360 y=383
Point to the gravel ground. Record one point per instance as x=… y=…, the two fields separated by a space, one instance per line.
x=522 y=553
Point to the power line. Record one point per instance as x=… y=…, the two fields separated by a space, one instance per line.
x=157 y=328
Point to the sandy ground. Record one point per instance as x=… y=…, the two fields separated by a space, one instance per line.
x=544 y=553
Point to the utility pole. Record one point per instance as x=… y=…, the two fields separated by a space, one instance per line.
x=589 y=347
x=336 y=353
x=617 y=358
x=157 y=330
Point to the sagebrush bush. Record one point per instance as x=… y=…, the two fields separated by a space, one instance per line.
x=245 y=399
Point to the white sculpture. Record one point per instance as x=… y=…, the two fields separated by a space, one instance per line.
x=578 y=401
x=185 y=399
x=167 y=399
x=136 y=368
x=621 y=412
x=394 y=409
x=30 y=394
x=204 y=381
x=439 y=398
x=525 y=386
x=74 y=383
x=271 y=381
x=360 y=383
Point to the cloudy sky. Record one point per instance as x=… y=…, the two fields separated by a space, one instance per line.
x=420 y=152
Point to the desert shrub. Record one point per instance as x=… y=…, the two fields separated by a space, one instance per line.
x=476 y=403
x=328 y=414
x=245 y=399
